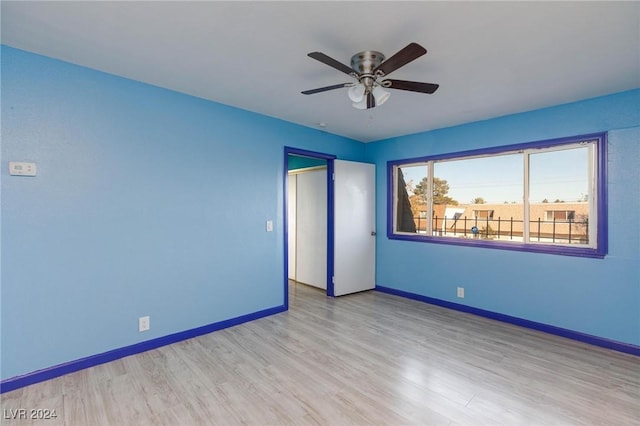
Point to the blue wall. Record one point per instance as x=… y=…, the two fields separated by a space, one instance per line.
x=600 y=297
x=147 y=202
x=151 y=202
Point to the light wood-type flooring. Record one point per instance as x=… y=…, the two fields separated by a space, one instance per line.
x=364 y=359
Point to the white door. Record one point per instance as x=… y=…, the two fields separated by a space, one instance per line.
x=354 y=227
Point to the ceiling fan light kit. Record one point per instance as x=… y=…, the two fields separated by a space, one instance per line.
x=356 y=92
x=369 y=68
x=380 y=95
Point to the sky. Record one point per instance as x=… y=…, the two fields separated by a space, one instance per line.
x=553 y=175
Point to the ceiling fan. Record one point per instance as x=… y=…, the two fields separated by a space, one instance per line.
x=370 y=68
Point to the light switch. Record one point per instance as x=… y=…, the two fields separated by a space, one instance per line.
x=17 y=168
x=269 y=226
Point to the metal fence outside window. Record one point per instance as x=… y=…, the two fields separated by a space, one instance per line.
x=551 y=231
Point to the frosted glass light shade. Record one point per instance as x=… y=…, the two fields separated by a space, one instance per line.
x=362 y=104
x=356 y=93
x=380 y=95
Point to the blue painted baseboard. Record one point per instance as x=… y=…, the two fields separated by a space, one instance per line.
x=563 y=332
x=80 y=364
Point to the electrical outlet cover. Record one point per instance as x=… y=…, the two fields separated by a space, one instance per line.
x=143 y=324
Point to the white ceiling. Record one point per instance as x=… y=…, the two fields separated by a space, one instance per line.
x=490 y=58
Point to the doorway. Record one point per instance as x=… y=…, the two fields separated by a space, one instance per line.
x=307 y=225
x=350 y=223
x=308 y=222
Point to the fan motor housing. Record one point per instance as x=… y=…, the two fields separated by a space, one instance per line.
x=365 y=62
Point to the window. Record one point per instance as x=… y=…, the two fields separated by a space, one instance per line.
x=547 y=196
x=483 y=214
x=559 y=215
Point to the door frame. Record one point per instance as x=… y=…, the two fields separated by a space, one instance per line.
x=330 y=220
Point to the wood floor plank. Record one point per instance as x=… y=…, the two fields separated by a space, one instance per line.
x=368 y=358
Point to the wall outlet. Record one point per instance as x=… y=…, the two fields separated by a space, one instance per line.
x=461 y=292
x=143 y=324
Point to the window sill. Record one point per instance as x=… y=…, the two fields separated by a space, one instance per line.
x=530 y=247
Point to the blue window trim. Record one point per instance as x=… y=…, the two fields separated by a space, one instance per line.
x=601 y=188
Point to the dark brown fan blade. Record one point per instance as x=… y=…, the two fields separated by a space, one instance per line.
x=319 y=56
x=411 y=52
x=324 y=89
x=371 y=100
x=412 y=86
